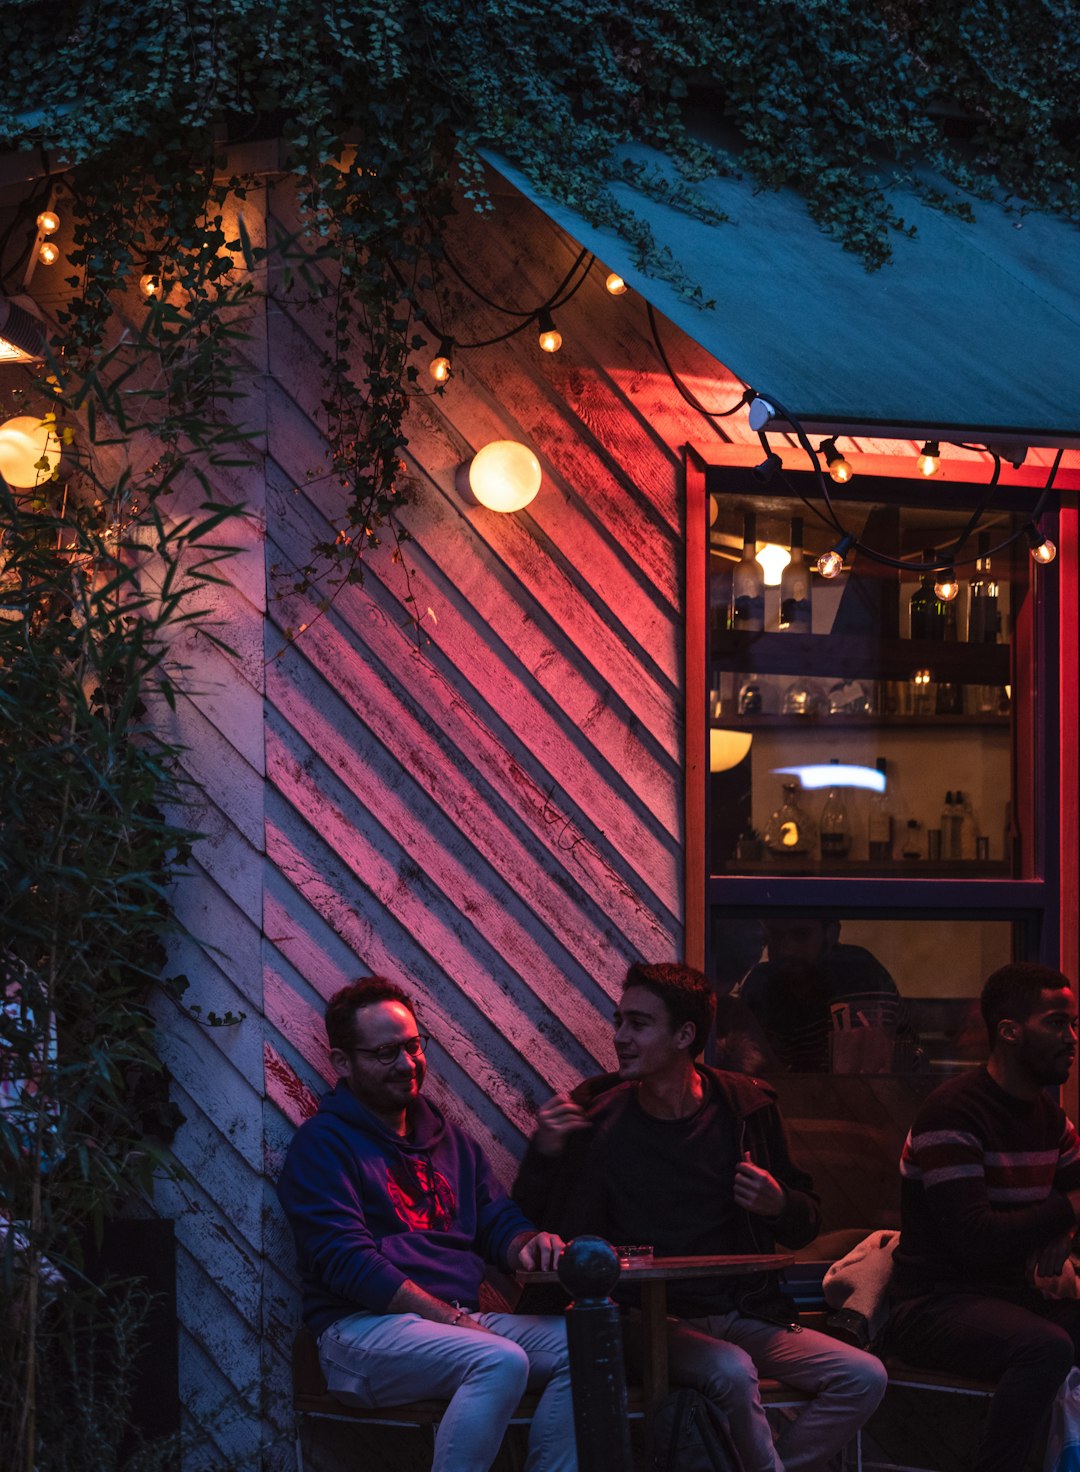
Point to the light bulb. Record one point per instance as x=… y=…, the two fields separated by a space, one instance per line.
x=48 y=222
x=839 y=468
x=922 y=677
x=1045 y=552
x=48 y=253
x=929 y=460
x=773 y=559
x=615 y=284
x=150 y=284
x=549 y=339
x=440 y=366
x=29 y=451
x=504 y=475
x=945 y=585
x=831 y=564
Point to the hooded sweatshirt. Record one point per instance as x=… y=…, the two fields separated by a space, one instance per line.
x=370 y=1209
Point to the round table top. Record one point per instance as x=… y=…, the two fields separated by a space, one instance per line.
x=661 y=1269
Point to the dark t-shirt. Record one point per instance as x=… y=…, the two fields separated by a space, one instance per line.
x=669 y=1183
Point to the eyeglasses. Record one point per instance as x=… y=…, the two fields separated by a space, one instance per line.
x=389 y=1053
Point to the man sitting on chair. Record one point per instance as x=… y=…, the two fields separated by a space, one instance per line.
x=695 y=1161
x=395 y=1212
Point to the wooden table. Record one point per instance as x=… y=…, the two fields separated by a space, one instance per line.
x=653 y=1279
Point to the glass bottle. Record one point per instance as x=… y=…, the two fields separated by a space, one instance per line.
x=880 y=826
x=984 y=620
x=719 y=598
x=835 y=832
x=790 y=832
x=795 y=594
x=931 y=618
x=748 y=583
x=912 y=841
x=950 y=827
x=968 y=829
x=751 y=697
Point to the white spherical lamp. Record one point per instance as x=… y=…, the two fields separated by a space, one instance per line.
x=29 y=451
x=504 y=476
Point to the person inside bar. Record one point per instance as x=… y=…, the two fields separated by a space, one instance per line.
x=693 y=1161
x=824 y=1007
x=395 y=1212
x=983 y=1282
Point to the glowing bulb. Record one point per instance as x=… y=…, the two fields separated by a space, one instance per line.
x=549 y=339
x=921 y=677
x=830 y=564
x=439 y=368
x=150 y=284
x=48 y=222
x=773 y=559
x=929 y=460
x=615 y=284
x=946 y=586
x=714 y=510
x=1045 y=552
x=29 y=451
x=504 y=475
x=48 y=253
x=839 y=468
x=727 y=749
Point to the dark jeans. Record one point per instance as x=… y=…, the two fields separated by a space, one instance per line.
x=1024 y=1342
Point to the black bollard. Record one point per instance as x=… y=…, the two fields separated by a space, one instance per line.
x=588 y=1270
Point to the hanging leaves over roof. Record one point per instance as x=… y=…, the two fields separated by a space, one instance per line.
x=834 y=98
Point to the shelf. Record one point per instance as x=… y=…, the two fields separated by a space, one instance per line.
x=864 y=869
x=824 y=721
x=843 y=656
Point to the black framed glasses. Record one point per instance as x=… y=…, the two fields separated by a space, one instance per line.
x=389 y=1053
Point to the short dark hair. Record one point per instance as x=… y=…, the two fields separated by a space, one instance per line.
x=685 y=993
x=365 y=991
x=1014 y=991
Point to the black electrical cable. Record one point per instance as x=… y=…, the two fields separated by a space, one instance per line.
x=695 y=403
x=550 y=304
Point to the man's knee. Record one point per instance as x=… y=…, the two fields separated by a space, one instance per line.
x=1051 y=1348
x=718 y=1369
x=866 y=1377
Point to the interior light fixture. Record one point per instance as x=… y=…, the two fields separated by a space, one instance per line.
x=550 y=339
x=615 y=284
x=22 y=332
x=48 y=222
x=831 y=564
x=504 y=475
x=773 y=559
x=929 y=461
x=441 y=366
x=29 y=451
x=839 y=468
x=835 y=774
x=946 y=585
x=1042 y=548
x=727 y=749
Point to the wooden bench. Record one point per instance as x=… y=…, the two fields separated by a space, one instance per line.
x=906 y=1377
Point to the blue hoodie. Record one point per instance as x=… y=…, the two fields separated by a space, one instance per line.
x=370 y=1209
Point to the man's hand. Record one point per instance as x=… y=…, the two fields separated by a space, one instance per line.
x=555 y=1120
x=1051 y=1259
x=756 y=1190
x=539 y=1253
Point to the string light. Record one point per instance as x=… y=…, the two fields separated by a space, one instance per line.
x=550 y=339
x=1043 y=550
x=839 y=468
x=831 y=564
x=922 y=677
x=929 y=461
x=946 y=585
x=48 y=222
x=48 y=253
x=615 y=284
x=150 y=284
x=440 y=366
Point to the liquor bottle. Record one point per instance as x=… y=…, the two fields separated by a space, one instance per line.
x=748 y=583
x=950 y=827
x=931 y=617
x=751 y=697
x=969 y=829
x=984 y=620
x=912 y=841
x=790 y=832
x=835 y=832
x=880 y=827
x=795 y=595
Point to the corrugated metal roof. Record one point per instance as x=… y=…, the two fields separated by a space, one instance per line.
x=972 y=325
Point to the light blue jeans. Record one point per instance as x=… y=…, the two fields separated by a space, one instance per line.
x=722 y=1355
x=376 y=1360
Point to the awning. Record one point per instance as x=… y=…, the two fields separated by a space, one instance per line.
x=972 y=326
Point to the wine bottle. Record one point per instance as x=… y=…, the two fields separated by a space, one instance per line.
x=931 y=617
x=984 y=619
x=834 y=830
x=795 y=594
x=748 y=583
x=880 y=827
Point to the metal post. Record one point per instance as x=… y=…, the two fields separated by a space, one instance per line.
x=588 y=1270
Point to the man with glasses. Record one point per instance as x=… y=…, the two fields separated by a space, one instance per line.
x=395 y=1212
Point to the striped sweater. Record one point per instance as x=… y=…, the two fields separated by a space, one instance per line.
x=983 y=1176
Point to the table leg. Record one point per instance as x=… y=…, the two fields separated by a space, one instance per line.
x=654 y=1355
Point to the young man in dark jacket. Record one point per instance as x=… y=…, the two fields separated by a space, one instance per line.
x=395 y=1212
x=695 y=1161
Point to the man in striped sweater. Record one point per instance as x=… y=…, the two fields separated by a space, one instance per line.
x=990 y=1201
